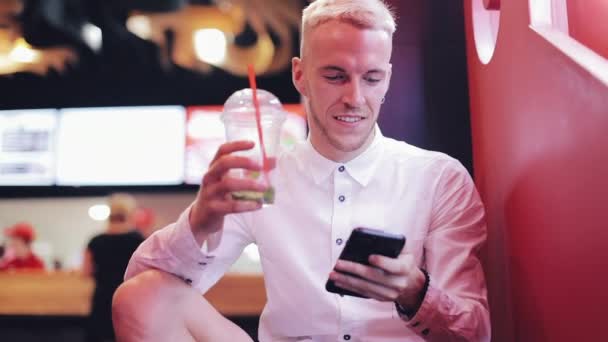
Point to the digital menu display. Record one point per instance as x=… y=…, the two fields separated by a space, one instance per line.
x=117 y=146
x=27 y=147
x=205 y=133
x=295 y=128
x=121 y=146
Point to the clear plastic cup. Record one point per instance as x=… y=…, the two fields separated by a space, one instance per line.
x=240 y=123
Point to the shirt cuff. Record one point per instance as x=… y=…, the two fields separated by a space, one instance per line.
x=174 y=250
x=183 y=245
x=425 y=316
x=188 y=251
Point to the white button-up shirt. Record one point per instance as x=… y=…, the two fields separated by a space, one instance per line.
x=427 y=196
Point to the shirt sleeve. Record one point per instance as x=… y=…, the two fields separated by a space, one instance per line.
x=173 y=249
x=455 y=306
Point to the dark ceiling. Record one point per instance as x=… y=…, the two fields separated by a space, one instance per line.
x=127 y=70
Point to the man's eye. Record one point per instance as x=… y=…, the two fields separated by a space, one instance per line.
x=334 y=78
x=372 y=80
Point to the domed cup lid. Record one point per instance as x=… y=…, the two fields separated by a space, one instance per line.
x=239 y=107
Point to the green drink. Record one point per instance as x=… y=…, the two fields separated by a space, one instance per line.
x=266 y=197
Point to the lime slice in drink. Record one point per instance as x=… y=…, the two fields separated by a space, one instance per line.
x=266 y=197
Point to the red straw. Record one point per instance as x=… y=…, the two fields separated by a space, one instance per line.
x=258 y=119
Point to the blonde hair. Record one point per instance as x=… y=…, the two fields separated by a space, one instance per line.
x=370 y=14
x=122 y=203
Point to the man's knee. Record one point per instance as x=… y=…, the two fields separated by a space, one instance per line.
x=157 y=306
x=141 y=304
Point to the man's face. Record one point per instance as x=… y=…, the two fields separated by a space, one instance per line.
x=343 y=74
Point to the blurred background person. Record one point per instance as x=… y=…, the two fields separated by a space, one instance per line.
x=18 y=252
x=106 y=259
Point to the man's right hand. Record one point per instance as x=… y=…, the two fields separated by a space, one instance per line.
x=214 y=200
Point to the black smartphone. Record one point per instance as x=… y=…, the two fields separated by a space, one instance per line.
x=362 y=243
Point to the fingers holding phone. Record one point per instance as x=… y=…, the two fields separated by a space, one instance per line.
x=384 y=279
x=362 y=243
x=359 y=283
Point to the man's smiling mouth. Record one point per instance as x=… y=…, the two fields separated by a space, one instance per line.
x=349 y=119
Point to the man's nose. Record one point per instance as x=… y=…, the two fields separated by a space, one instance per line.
x=353 y=95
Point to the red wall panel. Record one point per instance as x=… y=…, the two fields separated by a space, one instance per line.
x=540 y=148
x=588 y=23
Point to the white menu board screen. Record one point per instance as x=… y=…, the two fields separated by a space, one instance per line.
x=27 y=148
x=121 y=146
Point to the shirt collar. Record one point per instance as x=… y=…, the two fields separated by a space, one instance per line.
x=361 y=168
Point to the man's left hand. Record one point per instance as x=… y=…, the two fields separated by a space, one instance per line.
x=388 y=280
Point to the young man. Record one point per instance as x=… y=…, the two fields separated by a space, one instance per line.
x=346 y=175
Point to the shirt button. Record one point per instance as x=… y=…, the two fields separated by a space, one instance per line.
x=341 y=198
x=347 y=337
x=341 y=168
x=338 y=242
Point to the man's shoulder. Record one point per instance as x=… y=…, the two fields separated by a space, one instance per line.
x=400 y=152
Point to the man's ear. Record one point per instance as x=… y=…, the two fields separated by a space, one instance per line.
x=297 y=76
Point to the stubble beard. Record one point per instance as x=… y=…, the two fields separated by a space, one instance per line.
x=333 y=141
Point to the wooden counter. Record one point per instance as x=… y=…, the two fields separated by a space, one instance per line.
x=63 y=293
